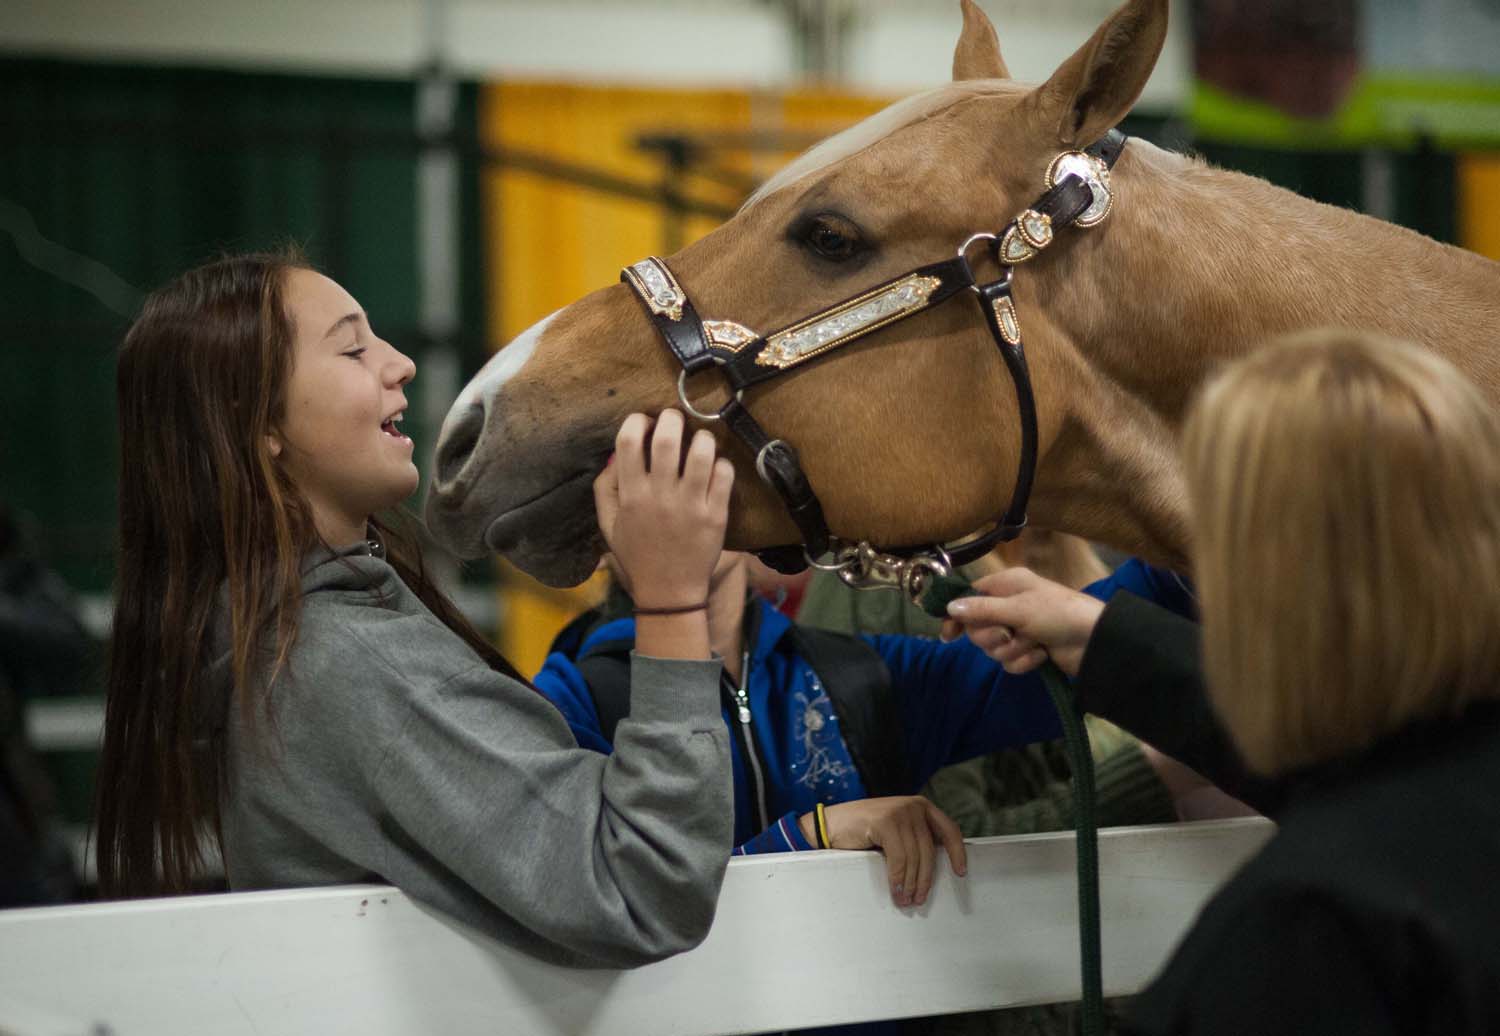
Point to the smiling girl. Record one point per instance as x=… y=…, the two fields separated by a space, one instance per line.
x=287 y=684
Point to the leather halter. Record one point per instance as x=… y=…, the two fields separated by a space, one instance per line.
x=1078 y=193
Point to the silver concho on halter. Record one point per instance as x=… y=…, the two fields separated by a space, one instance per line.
x=655 y=284
x=856 y=317
x=1005 y=317
x=728 y=335
x=1028 y=235
x=1092 y=171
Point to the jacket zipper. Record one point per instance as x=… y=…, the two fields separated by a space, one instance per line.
x=740 y=700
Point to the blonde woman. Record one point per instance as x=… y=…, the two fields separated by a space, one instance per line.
x=1346 y=519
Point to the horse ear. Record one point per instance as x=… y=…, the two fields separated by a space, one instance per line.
x=1096 y=87
x=978 y=53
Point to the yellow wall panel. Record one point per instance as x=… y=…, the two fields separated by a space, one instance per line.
x=532 y=615
x=827 y=110
x=550 y=242
x=1479 y=203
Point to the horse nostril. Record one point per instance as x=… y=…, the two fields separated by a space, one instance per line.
x=459 y=444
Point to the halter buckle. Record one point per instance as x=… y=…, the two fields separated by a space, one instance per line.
x=760 y=459
x=1094 y=172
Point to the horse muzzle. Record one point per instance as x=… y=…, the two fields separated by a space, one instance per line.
x=523 y=493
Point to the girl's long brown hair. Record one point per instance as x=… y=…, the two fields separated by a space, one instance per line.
x=204 y=510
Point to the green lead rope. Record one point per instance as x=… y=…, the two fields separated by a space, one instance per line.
x=935 y=597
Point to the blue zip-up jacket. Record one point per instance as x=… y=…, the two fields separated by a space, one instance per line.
x=953 y=702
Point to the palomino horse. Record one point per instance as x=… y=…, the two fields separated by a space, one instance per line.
x=911 y=432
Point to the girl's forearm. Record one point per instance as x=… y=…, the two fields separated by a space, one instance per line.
x=673 y=636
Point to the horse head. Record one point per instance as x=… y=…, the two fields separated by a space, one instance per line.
x=908 y=434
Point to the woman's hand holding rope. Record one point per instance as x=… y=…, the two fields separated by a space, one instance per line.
x=1020 y=619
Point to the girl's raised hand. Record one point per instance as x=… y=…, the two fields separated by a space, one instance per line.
x=664 y=515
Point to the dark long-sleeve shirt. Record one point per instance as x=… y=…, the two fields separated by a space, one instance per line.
x=1372 y=910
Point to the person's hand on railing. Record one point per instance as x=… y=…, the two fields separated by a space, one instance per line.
x=1020 y=619
x=905 y=828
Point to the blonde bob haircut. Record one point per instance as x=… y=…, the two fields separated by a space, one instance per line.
x=1345 y=492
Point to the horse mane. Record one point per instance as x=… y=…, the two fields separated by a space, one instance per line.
x=874 y=129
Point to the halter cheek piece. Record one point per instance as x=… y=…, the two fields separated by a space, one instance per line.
x=1078 y=194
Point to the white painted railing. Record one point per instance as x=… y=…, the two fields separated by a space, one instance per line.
x=800 y=940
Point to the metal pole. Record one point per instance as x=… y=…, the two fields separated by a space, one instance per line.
x=1378 y=183
x=437 y=225
x=822 y=29
x=438 y=252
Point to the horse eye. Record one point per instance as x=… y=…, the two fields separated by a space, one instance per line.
x=831 y=237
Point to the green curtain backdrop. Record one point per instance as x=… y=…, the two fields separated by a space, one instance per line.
x=114 y=178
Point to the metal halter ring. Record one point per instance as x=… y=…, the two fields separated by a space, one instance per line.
x=983 y=235
x=760 y=459
x=842 y=553
x=918 y=570
x=945 y=557
x=1007 y=270
x=963 y=249
x=700 y=415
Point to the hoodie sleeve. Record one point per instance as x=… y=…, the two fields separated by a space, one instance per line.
x=955 y=702
x=496 y=815
x=784 y=836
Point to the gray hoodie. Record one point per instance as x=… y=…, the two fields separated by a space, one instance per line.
x=396 y=754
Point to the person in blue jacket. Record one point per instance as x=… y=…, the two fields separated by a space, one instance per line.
x=855 y=725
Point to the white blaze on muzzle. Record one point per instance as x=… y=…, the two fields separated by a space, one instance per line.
x=500 y=368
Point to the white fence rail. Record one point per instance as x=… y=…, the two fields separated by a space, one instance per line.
x=800 y=940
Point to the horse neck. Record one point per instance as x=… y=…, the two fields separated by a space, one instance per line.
x=1200 y=265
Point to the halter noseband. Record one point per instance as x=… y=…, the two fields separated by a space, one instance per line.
x=1078 y=193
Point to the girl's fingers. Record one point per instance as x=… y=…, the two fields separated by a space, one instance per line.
x=946 y=831
x=719 y=487
x=895 y=852
x=914 y=846
x=926 y=850
x=630 y=451
x=666 y=447
x=698 y=469
x=607 y=499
